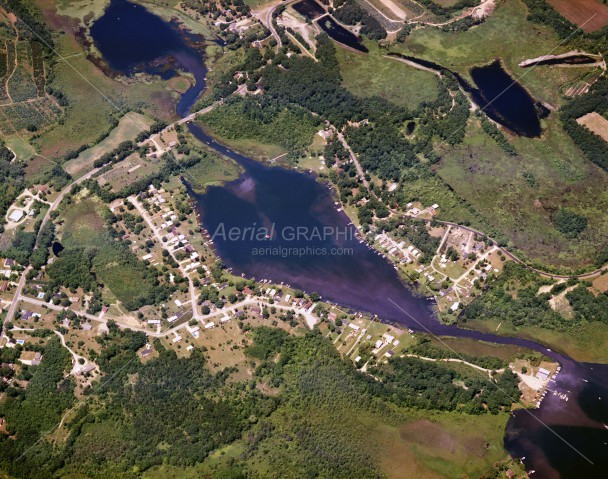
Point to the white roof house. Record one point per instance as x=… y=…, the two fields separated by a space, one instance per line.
x=16 y=216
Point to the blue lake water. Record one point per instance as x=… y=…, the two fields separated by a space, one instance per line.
x=576 y=444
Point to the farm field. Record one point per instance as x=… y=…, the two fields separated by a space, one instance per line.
x=590 y=15
x=129 y=126
x=596 y=123
x=371 y=75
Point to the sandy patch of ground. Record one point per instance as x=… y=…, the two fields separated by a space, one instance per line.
x=596 y=123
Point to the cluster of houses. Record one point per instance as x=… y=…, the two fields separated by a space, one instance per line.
x=399 y=250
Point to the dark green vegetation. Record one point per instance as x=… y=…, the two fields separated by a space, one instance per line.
x=32 y=413
x=261 y=119
x=322 y=419
x=596 y=100
x=350 y=13
x=416 y=232
x=13 y=176
x=426 y=348
x=586 y=306
x=569 y=223
x=513 y=300
x=378 y=141
x=513 y=297
x=427 y=385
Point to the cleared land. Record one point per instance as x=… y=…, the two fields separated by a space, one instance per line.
x=590 y=15
x=596 y=123
x=128 y=128
x=131 y=169
x=373 y=75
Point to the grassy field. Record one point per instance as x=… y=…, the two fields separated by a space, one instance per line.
x=506 y=352
x=83 y=224
x=369 y=75
x=440 y=445
x=20 y=147
x=211 y=170
x=84 y=227
x=94 y=99
x=518 y=195
x=129 y=126
x=506 y=34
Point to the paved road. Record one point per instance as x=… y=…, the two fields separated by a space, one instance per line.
x=54 y=204
x=250 y=301
x=148 y=220
x=467 y=228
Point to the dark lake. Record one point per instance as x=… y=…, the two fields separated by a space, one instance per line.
x=340 y=34
x=309 y=8
x=505 y=100
x=500 y=96
x=575 y=445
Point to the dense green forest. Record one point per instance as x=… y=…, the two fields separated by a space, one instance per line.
x=174 y=411
x=378 y=138
x=351 y=13
x=33 y=412
x=261 y=119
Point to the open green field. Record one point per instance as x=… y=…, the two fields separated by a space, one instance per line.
x=83 y=224
x=20 y=147
x=94 y=99
x=84 y=227
x=506 y=34
x=372 y=75
x=473 y=347
x=518 y=194
x=211 y=170
x=129 y=126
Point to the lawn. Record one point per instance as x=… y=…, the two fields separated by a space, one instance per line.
x=370 y=75
x=129 y=126
x=20 y=147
